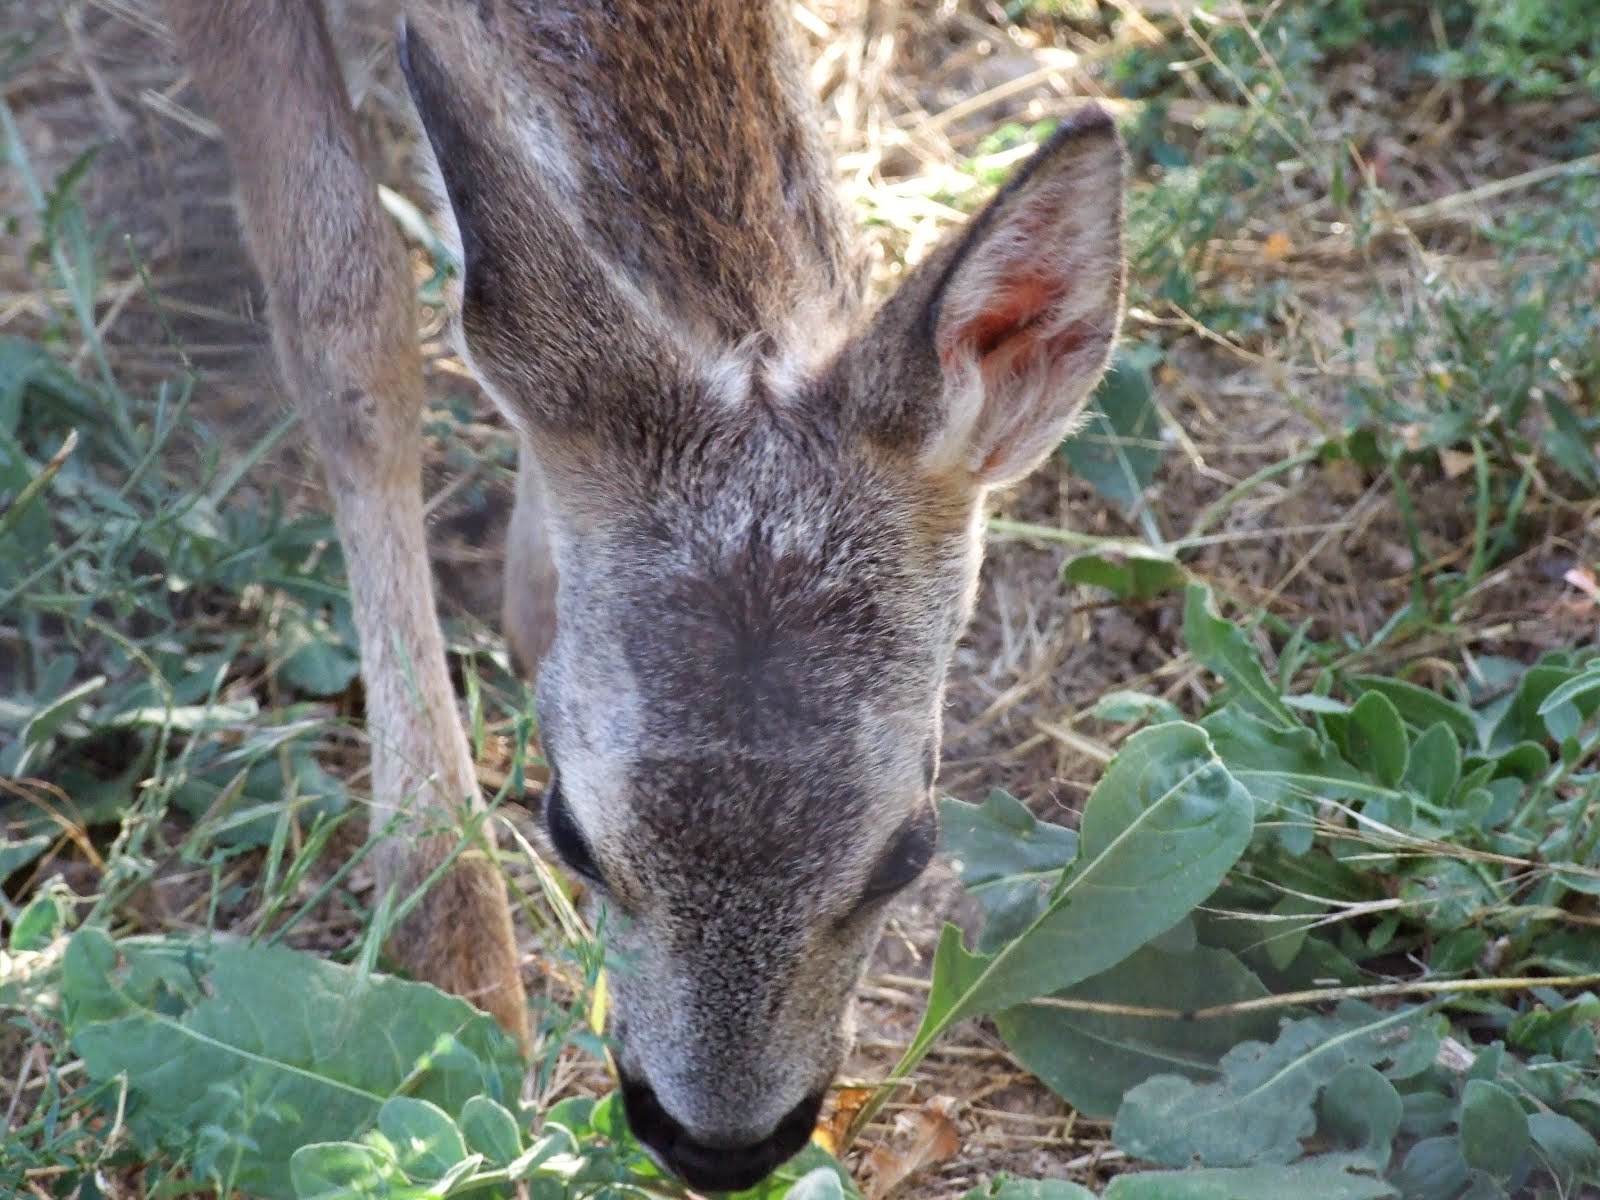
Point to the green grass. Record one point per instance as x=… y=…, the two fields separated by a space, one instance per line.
x=1364 y=949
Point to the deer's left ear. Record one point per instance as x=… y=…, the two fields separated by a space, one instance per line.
x=1007 y=328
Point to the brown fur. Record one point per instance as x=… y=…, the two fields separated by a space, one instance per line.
x=747 y=531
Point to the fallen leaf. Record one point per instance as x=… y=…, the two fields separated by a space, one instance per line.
x=929 y=1136
x=1456 y=463
x=1277 y=247
x=1583 y=579
x=835 y=1123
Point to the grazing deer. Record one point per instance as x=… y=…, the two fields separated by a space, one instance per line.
x=761 y=500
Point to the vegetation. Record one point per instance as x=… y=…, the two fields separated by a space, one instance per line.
x=1324 y=922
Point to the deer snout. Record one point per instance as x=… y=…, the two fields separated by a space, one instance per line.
x=709 y=1162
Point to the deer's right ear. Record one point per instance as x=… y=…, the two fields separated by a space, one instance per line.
x=983 y=359
x=543 y=323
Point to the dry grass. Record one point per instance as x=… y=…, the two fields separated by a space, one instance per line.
x=911 y=92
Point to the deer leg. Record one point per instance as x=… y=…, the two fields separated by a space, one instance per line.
x=342 y=312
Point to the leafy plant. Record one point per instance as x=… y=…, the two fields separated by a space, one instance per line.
x=275 y=1072
x=1457 y=806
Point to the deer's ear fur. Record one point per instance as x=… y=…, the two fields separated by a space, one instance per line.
x=1001 y=335
x=546 y=327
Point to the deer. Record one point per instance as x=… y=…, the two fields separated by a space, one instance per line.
x=749 y=509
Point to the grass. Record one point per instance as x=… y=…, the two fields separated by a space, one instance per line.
x=1337 y=509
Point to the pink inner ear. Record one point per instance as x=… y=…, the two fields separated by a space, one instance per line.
x=1013 y=331
x=1019 y=305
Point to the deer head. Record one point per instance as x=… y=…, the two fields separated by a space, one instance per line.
x=764 y=507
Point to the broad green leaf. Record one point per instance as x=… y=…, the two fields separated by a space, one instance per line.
x=1419 y=707
x=1293 y=918
x=1263 y=1105
x=556 y=1141
x=1582 y=687
x=808 y=1167
x=1159 y=832
x=314 y=661
x=820 y=1184
x=1130 y=576
x=335 y=1170
x=1220 y=647
x=1003 y=1188
x=268 y=1043
x=490 y=1130
x=1006 y=857
x=426 y=1142
x=1119 y=447
x=1378 y=739
x=1128 y=707
x=1328 y=1177
x=1361 y=1110
x=59 y=711
x=1566 y=1149
x=40 y=922
x=1091 y=1059
x=1433 y=1170
x=1435 y=765
x=1523 y=719
x=1286 y=770
x=1494 y=1129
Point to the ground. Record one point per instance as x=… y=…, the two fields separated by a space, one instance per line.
x=1271 y=325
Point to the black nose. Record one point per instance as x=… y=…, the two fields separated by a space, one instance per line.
x=715 y=1168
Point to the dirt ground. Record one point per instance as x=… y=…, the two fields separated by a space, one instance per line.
x=908 y=90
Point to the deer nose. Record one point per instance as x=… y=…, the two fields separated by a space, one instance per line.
x=709 y=1167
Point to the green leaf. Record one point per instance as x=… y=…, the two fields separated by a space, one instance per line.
x=313 y=660
x=1003 y=1188
x=491 y=1131
x=1378 y=739
x=807 y=1167
x=1585 y=686
x=426 y=1141
x=1286 y=770
x=1262 y=1107
x=1419 y=707
x=1435 y=766
x=1006 y=857
x=1160 y=830
x=264 y=1043
x=1328 y=1177
x=1091 y=1059
x=330 y=1170
x=1127 y=707
x=40 y=923
x=59 y=711
x=1220 y=647
x=1433 y=1170
x=1130 y=576
x=820 y=1184
x=1119 y=447
x=1494 y=1129
x=1362 y=1110
x=1567 y=1150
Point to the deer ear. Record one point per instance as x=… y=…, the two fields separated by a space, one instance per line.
x=543 y=323
x=1013 y=320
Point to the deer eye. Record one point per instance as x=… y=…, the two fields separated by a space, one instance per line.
x=567 y=838
x=906 y=858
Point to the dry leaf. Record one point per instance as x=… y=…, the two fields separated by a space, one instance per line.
x=847 y=1102
x=1277 y=247
x=1456 y=463
x=933 y=1137
x=1583 y=579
